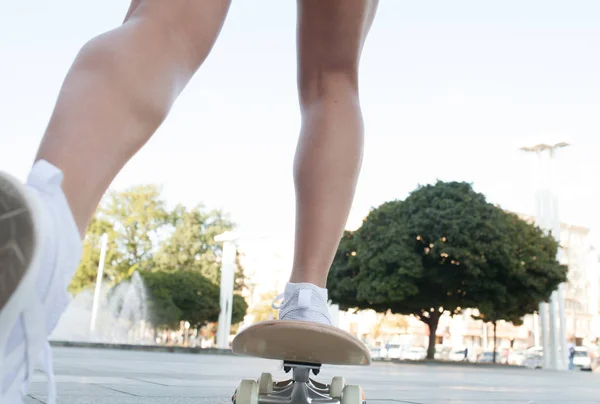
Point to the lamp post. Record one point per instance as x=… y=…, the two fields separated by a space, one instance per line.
x=553 y=334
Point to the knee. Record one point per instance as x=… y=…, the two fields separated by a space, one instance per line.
x=106 y=60
x=110 y=61
x=327 y=83
x=166 y=43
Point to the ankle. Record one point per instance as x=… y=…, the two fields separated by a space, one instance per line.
x=312 y=277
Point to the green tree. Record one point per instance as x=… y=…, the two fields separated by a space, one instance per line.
x=192 y=245
x=423 y=256
x=517 y=285
x=133 y=219
x=183 y=295
x=174 y=251
x=87 y=272
x=186 y=296
x=196 y=296
x=240 y=282
x=239 y=309
x=138 y=214
x=162 y=311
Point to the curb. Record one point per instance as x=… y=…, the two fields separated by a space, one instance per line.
x=143 y=348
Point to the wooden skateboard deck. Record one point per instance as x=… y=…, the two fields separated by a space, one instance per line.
x=300 y=341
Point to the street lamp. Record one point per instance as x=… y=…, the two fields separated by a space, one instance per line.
x=547 y=219
x=544 y=147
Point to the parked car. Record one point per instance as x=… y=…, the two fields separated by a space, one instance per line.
x=391 y=352
x=534 y=350
x=488 y=357
x=582 y=359
x=414 y=354
x=504 y=353
x=534 y=358
x=442 y=352
x=516 y=358
x=375 y=353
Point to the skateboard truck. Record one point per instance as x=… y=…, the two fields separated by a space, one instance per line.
x=300 y=389
x=289 y=365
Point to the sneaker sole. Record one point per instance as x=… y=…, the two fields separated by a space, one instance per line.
x=20 y=250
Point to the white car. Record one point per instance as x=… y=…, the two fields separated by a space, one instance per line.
x=516 y=358
x=582 y=359
x=376 y=353
x=392 y=352
x=442 y=352
x=414 y=354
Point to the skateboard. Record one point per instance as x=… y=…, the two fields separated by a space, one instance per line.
x=303 y=347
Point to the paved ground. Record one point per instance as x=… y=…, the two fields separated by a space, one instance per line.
x=98 y=376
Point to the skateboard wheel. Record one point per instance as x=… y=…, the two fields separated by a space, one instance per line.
x=265 y=384
x=352 y=394
x=336 y=386
x=247 y=392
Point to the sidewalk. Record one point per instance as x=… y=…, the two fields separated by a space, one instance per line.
x=101 y=376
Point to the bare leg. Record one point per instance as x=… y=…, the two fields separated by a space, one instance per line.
x=331 y=35
x=119 y=90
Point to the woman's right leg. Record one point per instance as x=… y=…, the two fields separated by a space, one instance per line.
x=331 y=36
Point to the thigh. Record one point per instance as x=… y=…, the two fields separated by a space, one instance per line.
x=331 y=35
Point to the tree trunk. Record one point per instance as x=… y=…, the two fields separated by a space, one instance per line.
x=432 y=322
x=495 y=325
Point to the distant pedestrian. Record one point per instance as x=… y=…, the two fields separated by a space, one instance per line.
x=571 y=356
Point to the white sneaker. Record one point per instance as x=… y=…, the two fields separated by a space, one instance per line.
x=304 y=302
x=40 y=248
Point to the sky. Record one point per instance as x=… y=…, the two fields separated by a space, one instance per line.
x=450 y=91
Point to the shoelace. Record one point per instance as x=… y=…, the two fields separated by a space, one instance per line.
x=304 y=299
x=280 y=297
